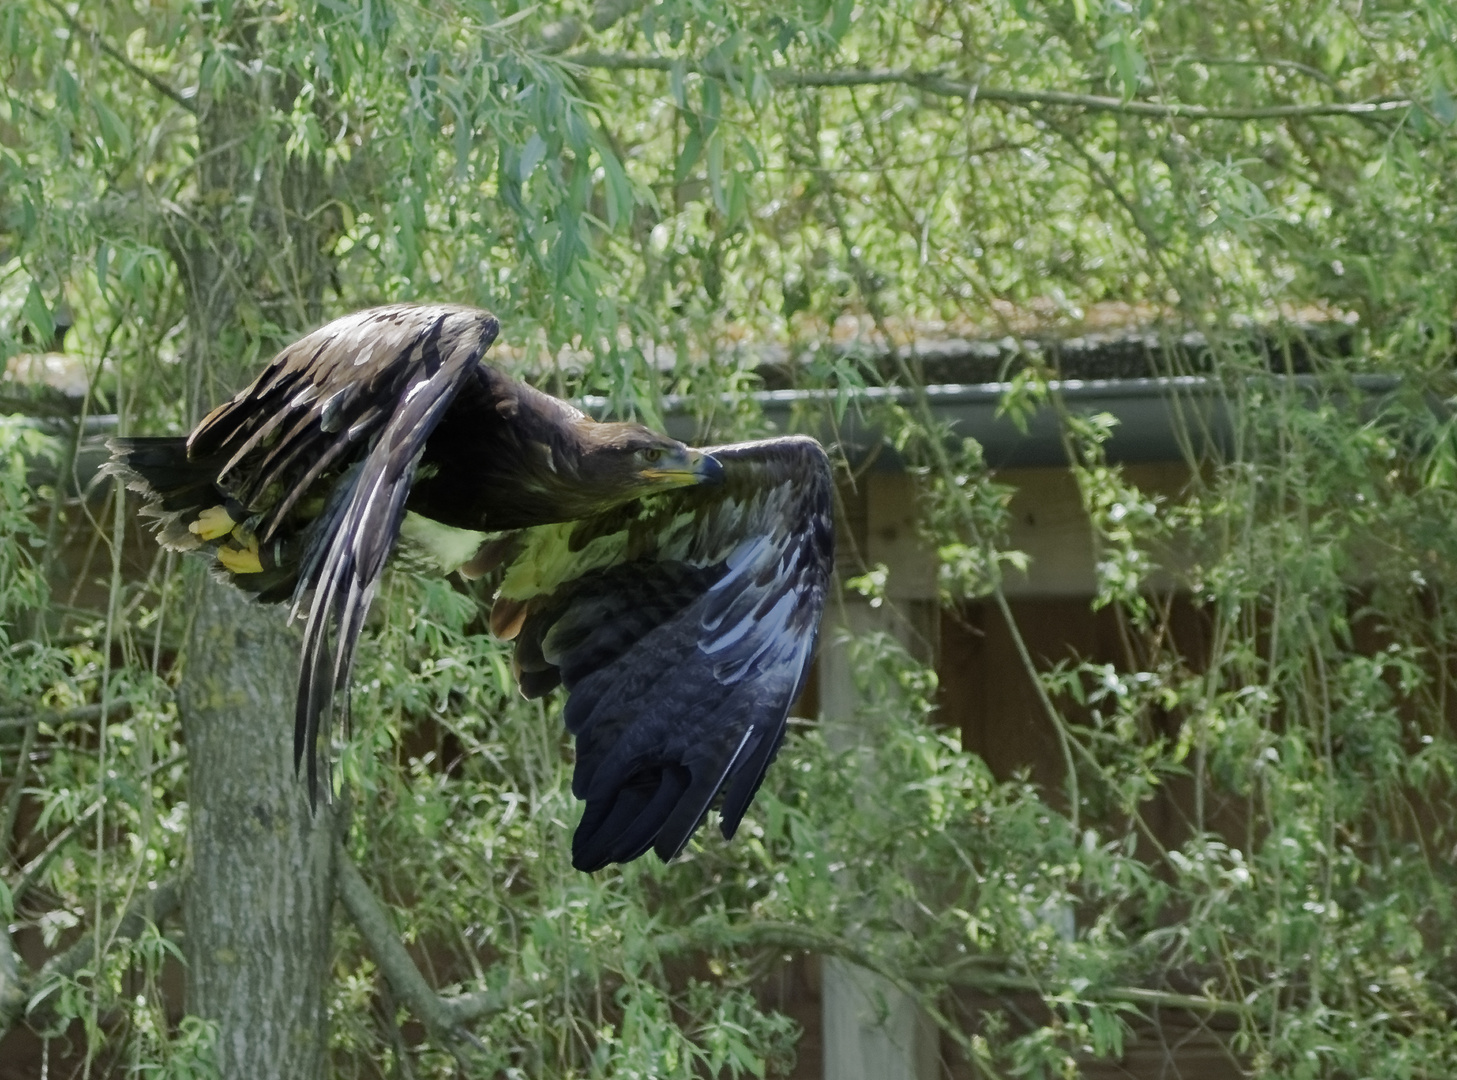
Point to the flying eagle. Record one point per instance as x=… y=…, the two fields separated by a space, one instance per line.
x=674 y=593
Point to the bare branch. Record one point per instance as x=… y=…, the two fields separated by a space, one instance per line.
x=80 y=713
x=98 y=42
x=973 y=972
x=932 y=83
x=389 y=953
x=443 y=1017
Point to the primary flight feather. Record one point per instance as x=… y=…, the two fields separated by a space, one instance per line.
x=675 y=594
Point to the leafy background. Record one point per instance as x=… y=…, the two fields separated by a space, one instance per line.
x=650 y=195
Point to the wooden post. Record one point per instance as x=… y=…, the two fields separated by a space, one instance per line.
x=871 y=1030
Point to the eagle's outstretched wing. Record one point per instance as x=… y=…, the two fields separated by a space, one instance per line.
x=312 y=463
x=682 y=628
x=678 y=603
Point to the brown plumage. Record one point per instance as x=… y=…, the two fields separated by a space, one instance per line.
x=386 y=426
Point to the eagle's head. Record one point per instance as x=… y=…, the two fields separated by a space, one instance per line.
x=623 y=461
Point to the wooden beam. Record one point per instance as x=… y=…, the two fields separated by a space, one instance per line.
x=871 y=1029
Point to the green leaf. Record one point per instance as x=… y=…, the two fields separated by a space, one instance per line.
x=751 y=152
x=114 y=131
x=738 y=197
x=1127 y=60
x=531 y=155
x=715 y=173
x=12 y=28
x=1442 y=106
x=68 y=94
x=688 y=157
x=37 y=313
x=619 y=189
x=677 y=75
x=712 y=97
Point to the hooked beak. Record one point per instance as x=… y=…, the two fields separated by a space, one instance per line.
x=695 y=467
x=706 y=467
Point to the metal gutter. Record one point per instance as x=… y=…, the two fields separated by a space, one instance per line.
x=1158 y=419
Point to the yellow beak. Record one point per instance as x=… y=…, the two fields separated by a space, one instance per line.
x=695 y=468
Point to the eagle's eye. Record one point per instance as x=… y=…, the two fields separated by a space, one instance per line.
x=652 y=454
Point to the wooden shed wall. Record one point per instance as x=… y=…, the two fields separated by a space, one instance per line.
x=988 y=697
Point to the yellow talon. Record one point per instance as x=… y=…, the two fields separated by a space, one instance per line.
x=245 y=561
x=212 y=523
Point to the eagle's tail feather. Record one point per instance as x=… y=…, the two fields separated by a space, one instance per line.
x=175 y=489
x=191 y=513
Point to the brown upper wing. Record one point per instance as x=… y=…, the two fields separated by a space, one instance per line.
x=351 y=404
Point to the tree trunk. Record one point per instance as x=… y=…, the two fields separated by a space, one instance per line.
x=260 y=893
x=261 y=888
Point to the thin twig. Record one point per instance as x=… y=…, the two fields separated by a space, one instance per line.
x=941 y=86
x=386 y=1010
x=13 y=994
x=1065 y=741
x=1133 y=995
x=17 y=790
x=80 y=713
x=30 y=873
x=1252 y=62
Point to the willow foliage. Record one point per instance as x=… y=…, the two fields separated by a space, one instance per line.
x=649 y=194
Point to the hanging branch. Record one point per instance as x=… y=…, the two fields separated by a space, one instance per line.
x=941 y=86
